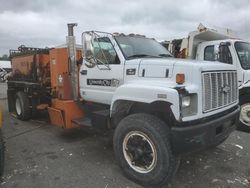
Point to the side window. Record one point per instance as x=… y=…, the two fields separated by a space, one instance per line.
x=209 y=54
x=104 y=51
x=225 y=54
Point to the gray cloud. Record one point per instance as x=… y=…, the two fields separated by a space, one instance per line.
x=43 y=23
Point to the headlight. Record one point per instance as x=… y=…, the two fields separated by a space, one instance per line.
x=189 y=105
x=185 y=102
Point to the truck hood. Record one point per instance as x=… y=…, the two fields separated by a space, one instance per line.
x=156 y=67
x=162 y=68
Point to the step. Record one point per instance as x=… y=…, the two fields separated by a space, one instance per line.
x=97 y=119
x=82 y=121
x=103 y=113
x=100 y=119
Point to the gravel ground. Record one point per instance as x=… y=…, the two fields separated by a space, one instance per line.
x=40 y=155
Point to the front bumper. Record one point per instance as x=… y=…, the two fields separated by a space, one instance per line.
x=201 y=135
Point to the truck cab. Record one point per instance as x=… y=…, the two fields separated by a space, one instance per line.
x=212 y=45
x=138 y=69
x=230 y=51
x=237 y=53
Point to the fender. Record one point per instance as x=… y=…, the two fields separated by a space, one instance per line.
x=147 y=93
x=244 y=91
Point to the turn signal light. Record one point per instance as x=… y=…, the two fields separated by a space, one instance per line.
x=180 y=78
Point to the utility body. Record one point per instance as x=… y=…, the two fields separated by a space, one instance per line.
x=159 y=107
x=206 y=44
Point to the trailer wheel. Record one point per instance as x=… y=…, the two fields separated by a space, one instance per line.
x=142 y=149
x=1 y=154
x=244 y=123
x=22 y=103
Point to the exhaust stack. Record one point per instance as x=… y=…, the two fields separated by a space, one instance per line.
x=71 y=43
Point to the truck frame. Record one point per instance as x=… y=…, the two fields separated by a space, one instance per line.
x=157 y=106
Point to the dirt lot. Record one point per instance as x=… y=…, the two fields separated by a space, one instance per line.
x=40 y=155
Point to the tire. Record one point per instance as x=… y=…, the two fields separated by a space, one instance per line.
x=22 y=106
x=152 y=135
x=2 y=150
x=244 y=123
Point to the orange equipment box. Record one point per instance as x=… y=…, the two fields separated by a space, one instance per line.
x=59 y=68
x=63 y=111
x=31 y=67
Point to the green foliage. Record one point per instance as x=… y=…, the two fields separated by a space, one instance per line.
x=5 y=57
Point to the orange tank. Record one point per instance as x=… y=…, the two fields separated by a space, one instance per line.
x=31 y=66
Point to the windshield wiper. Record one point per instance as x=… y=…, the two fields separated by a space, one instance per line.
x=165 y=55
x=142 y=55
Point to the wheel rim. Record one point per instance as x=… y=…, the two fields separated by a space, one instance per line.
x=139 y=152
x=18 y=106
x=245 y=114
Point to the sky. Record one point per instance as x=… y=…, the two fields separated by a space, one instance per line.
x=43 y=23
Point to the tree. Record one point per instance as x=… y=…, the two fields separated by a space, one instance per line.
x=4 y=57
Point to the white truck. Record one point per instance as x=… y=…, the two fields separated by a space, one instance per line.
x=159 y=107
x=220 y=46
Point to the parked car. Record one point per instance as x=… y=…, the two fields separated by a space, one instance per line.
x=3 y=72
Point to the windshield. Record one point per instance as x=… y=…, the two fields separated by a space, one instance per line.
x=134 y=47
x=243 y=51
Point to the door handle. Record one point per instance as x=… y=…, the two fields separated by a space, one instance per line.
x=83 y=72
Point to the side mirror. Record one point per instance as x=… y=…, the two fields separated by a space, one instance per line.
x=88 y=49
x=225 y=44
x=217 y=52
x=222 y=53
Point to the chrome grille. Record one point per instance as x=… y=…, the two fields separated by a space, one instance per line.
x=219 y=89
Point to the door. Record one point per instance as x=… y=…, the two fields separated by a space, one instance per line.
x=103 y=73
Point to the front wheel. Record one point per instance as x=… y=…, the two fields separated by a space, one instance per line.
x=142 y=149
x=244 y=123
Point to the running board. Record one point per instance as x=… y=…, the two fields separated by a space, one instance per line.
x=98 y=119
x=82 y=122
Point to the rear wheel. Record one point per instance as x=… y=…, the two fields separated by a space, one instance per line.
x=142 y=149
x=22 y=105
